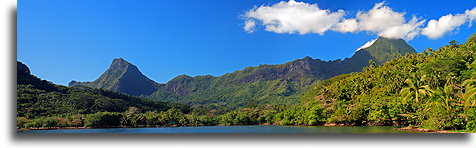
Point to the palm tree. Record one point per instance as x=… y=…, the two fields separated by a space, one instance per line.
x=444 y=97
x=416 y=89
x=469 y=95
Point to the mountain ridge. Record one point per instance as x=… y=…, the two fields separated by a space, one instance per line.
x=251 y=85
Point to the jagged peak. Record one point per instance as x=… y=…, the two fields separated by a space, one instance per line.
x=181 y=77
x=119 y=63
x=73 y=83
x=124 y=77
x=307 y=58
x=118 y=60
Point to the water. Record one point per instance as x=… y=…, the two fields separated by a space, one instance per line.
x=231 y=129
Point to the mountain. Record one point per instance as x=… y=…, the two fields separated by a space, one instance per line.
x=123 y=77
x=385 y=49
x=41 y=98
x=24 y=77
x=382 y=50
x=265 y=84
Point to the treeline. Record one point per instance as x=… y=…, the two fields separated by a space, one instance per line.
x=33 y=102
x=130 y=118
x=134 y=117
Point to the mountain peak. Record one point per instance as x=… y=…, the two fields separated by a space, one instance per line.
x=307 y=58
x=119 y=60
x=393 y=40
x=119 y=63
x=124 y=77
x=384 y=49
x=386 y=38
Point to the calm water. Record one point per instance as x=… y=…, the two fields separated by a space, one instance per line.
x=231 y=129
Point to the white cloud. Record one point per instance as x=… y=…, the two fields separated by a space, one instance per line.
x=293 y=17
x=303 y=18
x=382 y=20
x=348 y=25
x=249 y=26
x=437 y=28
x=368 y=44
x=385 y=22
x=379 y=18
x=407 y=31
x=471 y=14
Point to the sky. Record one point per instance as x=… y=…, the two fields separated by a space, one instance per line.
x=61 y=41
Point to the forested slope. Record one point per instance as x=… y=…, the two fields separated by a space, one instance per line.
x=282 y=84
x=43 y=104
x=433 y=89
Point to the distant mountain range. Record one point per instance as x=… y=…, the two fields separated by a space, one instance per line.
x=265 y=84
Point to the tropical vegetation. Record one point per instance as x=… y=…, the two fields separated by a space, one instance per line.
x=435 y=89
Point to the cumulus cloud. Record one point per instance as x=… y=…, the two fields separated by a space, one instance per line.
x=437 y=28
x=292 y=17
x=406 y=31
x=348 y=25
x=471 y=14
x=303 y=18
x=385 y=22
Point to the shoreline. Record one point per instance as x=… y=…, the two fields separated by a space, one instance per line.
x=415 y=129
x=61 y=128
x=53 y=128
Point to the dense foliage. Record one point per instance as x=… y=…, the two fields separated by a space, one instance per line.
x=43 y=104
x=434 y=90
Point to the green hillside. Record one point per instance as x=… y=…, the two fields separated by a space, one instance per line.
x=433 y=90
x=39 y=101
x=266 y=84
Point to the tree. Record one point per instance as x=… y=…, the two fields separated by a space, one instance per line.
x=454 y=43
x=130 y=116
x=441 y=110
x=103 y=119
x=472 y=39
x=416 y=89
x=469 y=95
x=22 y=121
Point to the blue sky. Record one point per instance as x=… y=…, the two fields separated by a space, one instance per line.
x=76 y=40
